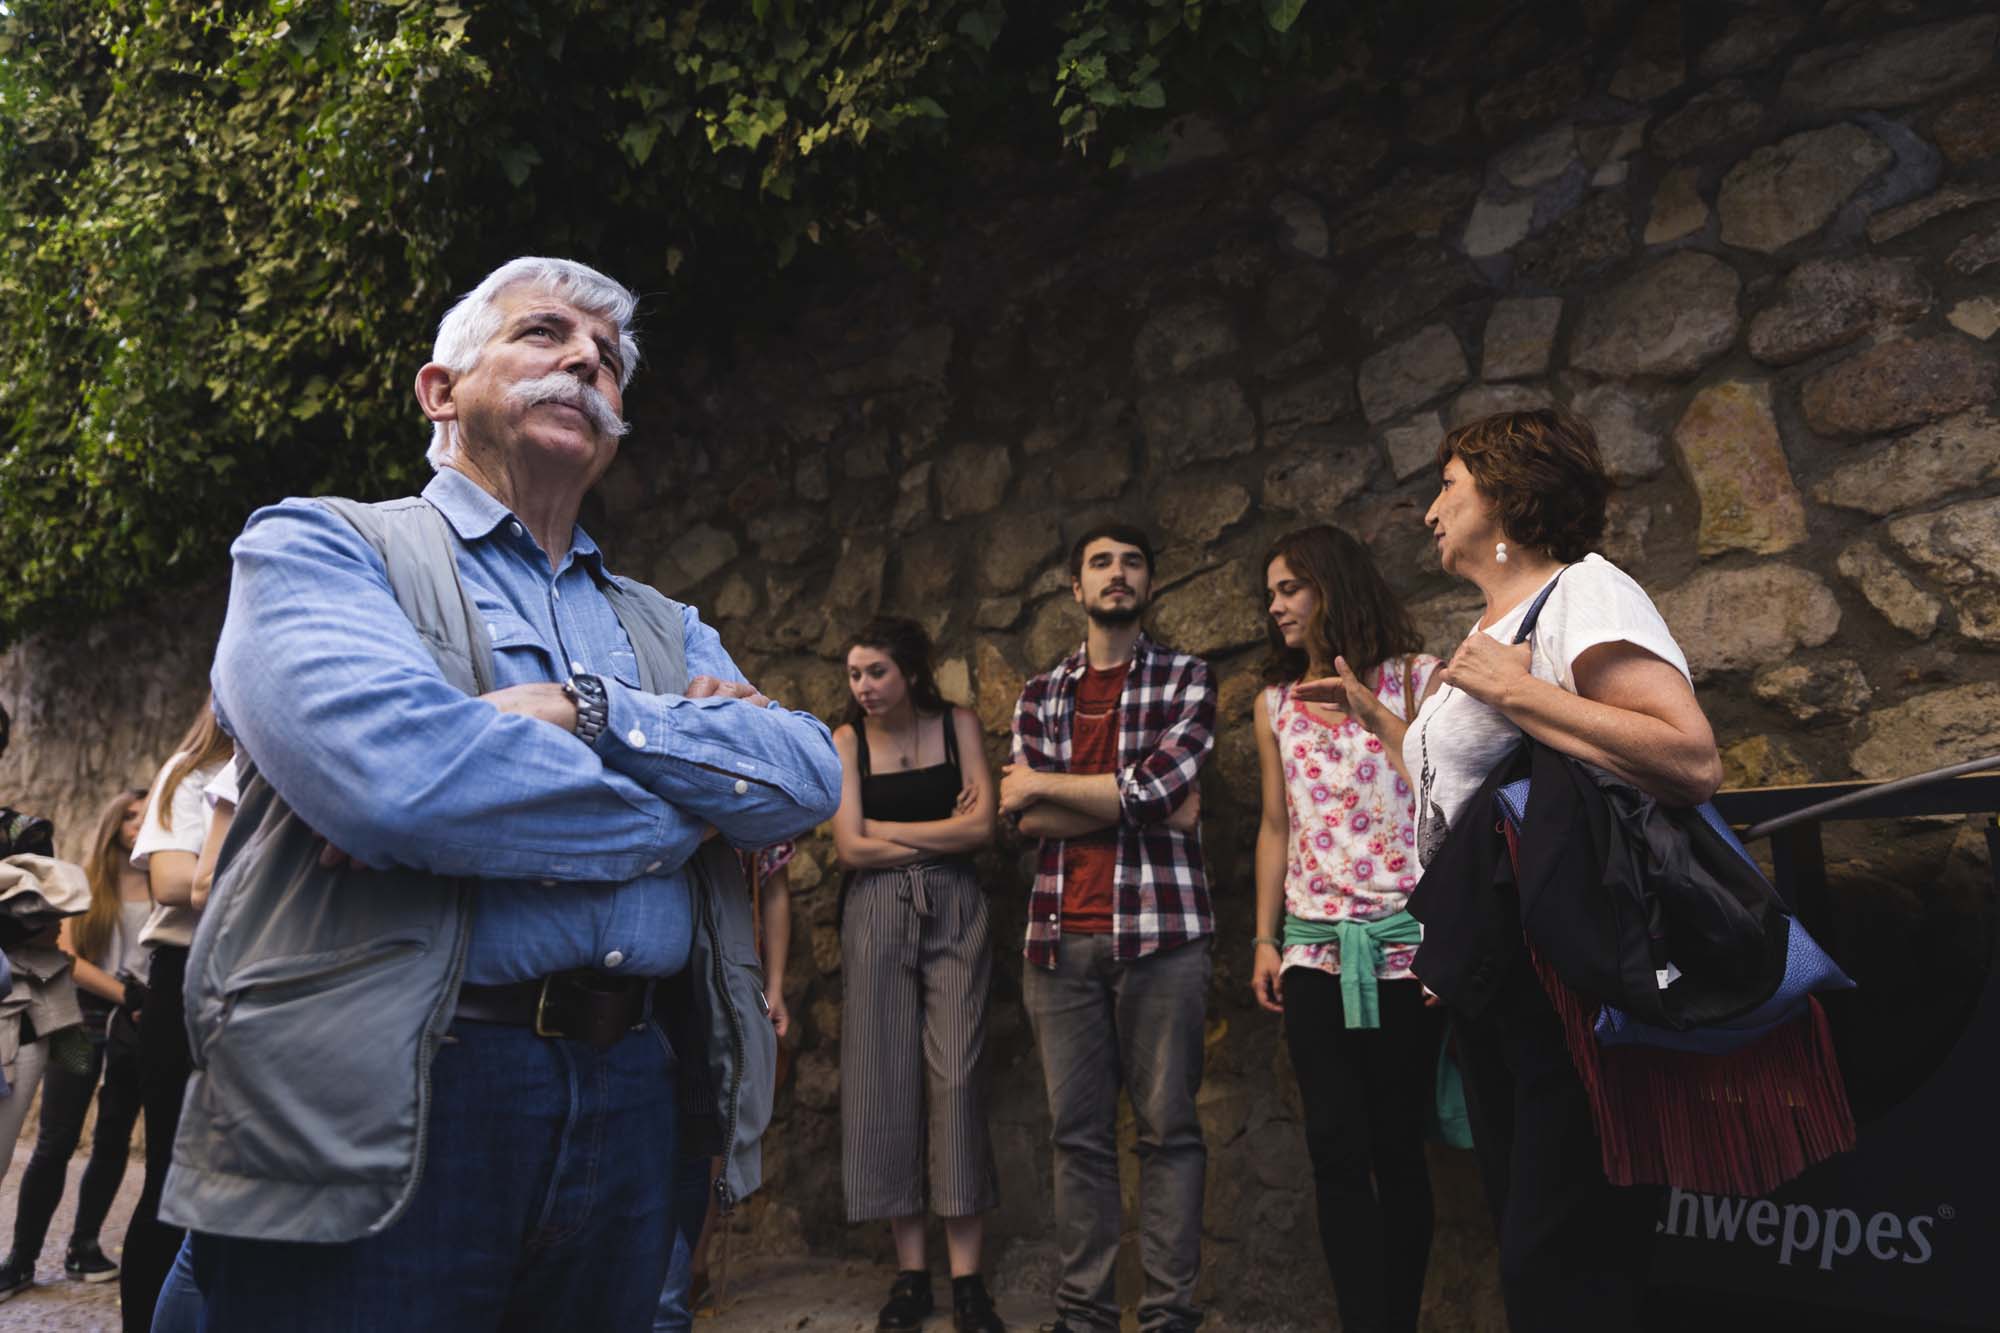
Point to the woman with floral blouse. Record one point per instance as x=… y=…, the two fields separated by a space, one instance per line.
x=1336 y=859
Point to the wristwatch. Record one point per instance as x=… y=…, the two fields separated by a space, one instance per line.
x=593 y=709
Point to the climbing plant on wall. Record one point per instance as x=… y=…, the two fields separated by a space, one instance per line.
x=225 y=226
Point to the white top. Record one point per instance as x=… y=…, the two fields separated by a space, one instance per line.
x=221 y=789
x=1457 y=740
x=185 y=831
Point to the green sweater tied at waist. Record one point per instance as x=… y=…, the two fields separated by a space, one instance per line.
x=1363 y=945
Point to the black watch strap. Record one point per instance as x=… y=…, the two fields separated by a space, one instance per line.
x=593 y=707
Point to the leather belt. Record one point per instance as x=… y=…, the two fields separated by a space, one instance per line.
x=592 y=1007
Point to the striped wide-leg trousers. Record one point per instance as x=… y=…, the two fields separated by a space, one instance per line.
x=916 y=965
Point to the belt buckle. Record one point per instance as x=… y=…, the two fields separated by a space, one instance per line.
x=542 y=1029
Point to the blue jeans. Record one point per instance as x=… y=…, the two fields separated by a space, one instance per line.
x=540 y=1206
x=690 y=1208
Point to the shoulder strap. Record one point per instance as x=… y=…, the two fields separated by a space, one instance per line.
x=1535 y=608
x=1409 y=687
x=420 y=553
x=657 y=626
x=951 y=734
x=861 y=743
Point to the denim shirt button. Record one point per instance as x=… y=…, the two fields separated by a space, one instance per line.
x=614 y=958
x=741 y=786
x=653 y=868
x=636 y=738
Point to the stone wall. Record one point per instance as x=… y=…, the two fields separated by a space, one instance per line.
x=1756 y=245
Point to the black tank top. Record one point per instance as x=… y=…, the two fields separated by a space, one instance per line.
x=914 y=795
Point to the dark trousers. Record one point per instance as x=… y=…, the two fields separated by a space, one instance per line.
x=1574 y=1249
x=65 y=1102
x=163 y=1073
x=1368 y=1095
x=543 y=1206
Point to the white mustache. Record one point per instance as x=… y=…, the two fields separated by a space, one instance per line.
x=567 y=389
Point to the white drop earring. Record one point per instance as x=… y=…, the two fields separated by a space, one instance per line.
x=1500 y=552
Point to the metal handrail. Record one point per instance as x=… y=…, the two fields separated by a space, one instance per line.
x=1991 y=763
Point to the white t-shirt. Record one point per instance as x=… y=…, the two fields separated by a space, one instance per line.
x=185 y=831
x=1457 y=740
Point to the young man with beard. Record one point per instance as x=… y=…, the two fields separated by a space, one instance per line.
x=1108 y=747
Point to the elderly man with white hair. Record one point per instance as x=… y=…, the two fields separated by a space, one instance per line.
x=477 y=921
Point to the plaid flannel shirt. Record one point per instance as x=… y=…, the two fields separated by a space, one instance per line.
x=1166 y=727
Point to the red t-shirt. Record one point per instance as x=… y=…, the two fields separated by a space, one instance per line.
x=1090 y=863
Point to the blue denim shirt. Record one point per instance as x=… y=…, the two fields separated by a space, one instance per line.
x=577 y=849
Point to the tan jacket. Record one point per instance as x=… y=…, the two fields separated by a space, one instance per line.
x=39 y=886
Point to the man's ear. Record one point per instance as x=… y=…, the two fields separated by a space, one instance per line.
x=434 y=392
x=1076 y=588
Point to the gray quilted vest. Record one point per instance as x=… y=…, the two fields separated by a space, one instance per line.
x=317 y=998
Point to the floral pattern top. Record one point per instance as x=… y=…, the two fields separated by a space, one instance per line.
x=1351 y=849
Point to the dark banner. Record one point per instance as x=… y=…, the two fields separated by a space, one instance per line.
x=1908 y=1224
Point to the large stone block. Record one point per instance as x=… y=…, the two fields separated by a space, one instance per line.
x=1405 y=287
x=1624 y=418
x=1316 y=485
x=1951 y=199
x=1302 y=222
x=1671 y=318
x=1728 y=442
x=1543 y=94
x=1828 y=302
x=1520 y=336
x=855 y=590
x=1968 y=130
x=1895 y=384
x=693 y=556
x=1179 y=338
x=1213 y=612
x=1944 y=458
x=1762 y=761
x=1901 y=69
x=1016 y=545
x=1678 y=208
x=1749 y=42
x=1940 y=727
x=1412 y=372
x=1417 y=201
x=1483 y=400
x=1976 y=253
x=1812 y=691
x=1789 y=189
x=1893 y=594
x=1055 y=629
x=1716 y=116
x=1200 y=509
x=1209 y=419
x=1412 y=444
x=1654 y=64
x=972 y=479
x=996 y=687
x=1497 y=226
x=1746 y=619
x=1976 y=315
x=1581 y=242
x=1539 y=159
x=1959 y=548
x=1292 y=413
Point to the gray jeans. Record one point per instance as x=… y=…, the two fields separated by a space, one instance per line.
x=1103 y=1024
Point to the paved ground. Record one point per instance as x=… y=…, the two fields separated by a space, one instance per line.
x=55 y=1304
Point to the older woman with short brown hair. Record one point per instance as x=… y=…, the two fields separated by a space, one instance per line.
x=1521 y=502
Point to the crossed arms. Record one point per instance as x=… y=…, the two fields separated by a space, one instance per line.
x=324 y=681
x=1161 y=787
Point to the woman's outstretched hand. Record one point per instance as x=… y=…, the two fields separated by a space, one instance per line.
x=1346 y=691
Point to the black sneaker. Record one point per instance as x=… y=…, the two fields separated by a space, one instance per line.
x=909 y=1303
x=16 y=1276
x=971 y=1308
x=87 y=1263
